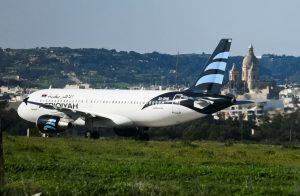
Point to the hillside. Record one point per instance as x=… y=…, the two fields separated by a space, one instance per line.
x=91 y=167
x=109 y=68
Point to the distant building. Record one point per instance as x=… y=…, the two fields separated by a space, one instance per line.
x=290 y=97
x=234 y=79
x=77 y=86
x=4 y=89
x=140 y=87
x=11 y=77
x=250 y=74
x=250 y=70
x=30 y=90
x=251 y=112
x=249 y=83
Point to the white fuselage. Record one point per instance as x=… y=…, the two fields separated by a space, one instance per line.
x=120 y=105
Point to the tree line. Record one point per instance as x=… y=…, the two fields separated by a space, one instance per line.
x=102 y=68
x=279 y=129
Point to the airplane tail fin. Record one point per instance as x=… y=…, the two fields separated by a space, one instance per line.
x=212 y=75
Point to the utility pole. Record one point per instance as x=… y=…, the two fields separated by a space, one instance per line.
x=176 y=70
x=290 y=138
x=241 y=116
x=1 y=160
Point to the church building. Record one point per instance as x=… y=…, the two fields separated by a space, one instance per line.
x=250 y=70
x=250 y=74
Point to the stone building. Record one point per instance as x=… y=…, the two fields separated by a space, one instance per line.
x=234 y=79
x=234 y=74
x=250 y=74
x=249 y=82
x=250 y=70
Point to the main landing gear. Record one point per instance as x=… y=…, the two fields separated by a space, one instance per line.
x=92 y=134
x=137 y=133
x=142 y=135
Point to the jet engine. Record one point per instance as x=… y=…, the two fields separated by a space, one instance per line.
x=52 y=124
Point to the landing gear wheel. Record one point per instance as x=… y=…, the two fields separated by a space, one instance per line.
x=92 y=134
x=87 y=134
x=95 y=134
x=142 y=137
x=146 y=137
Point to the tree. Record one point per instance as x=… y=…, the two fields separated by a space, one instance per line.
x=1 y=160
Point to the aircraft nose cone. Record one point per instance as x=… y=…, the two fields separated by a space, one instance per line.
x=24 y=113
x=20 y=110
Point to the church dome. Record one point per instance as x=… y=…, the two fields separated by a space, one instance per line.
x=252 y=67
x=250 y=59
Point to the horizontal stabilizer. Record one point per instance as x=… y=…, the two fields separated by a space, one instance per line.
x=244 y=102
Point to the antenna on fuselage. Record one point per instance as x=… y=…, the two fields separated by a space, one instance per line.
x=50 y=86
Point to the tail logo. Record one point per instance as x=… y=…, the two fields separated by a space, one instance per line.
x=212 y=76
x=216 y=65
x=222 y=55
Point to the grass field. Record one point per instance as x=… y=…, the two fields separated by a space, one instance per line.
x=89 y=167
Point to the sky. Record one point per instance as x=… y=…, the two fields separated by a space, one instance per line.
x=166 y=26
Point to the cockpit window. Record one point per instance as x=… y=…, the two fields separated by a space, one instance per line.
x=180 y=96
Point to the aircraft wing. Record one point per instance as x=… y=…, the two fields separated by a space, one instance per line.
x=105 y=120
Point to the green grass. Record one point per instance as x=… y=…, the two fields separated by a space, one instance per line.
x=89 y=167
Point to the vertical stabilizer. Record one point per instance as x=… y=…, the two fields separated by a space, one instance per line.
x=212 y=76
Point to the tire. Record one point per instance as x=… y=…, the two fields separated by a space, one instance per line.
x=95 y=135
x=92 y=134
x=146 y=137
x=87 y=134
x=142 y=137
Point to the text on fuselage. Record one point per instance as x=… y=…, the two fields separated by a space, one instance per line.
x=64 y=105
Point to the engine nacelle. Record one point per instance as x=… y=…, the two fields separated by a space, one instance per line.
x=52 y=124
x=126 y=131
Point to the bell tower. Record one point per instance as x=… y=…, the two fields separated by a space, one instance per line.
x=250 y=66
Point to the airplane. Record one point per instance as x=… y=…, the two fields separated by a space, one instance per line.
x=130 y=112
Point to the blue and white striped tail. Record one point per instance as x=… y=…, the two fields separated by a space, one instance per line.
x=212 y=75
